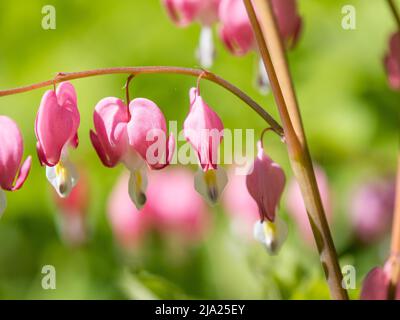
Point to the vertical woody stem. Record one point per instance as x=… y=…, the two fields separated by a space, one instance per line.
x=271 y=49
x=395 y=247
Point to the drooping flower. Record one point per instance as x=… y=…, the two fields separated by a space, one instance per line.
x=182 y=217
x=237 y=34
x=203 y=129
x=72 y=213
x=295 y=203
x=185 y=12
x=135 y=136
x=392 y=61
x=371 y=209
x=236 y=31
x=378 y=285
x=12 y=173
x=265 y=183
x=289 y=20
x=56 y=129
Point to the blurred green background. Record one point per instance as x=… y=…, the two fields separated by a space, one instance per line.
x=350 y=116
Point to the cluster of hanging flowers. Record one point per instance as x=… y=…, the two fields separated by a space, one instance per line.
x=134 y=134
x=234 y=27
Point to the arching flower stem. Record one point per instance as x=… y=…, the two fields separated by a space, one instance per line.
x=134 y=71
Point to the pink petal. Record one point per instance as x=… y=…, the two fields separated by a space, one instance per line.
x=110 y=140
x=11 y=150
x=236 y=31
x=375 y=286
x=392 y=61
x=289 y=21
x=57 y=122
x=170 y=148
x=184 y=12
x=146 y=124
x=23 y=174
x=265 y=184
x=204 y=130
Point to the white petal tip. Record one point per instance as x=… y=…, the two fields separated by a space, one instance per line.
x=3 y=202
x=63 y=177
x=271 y=234
x=210 y=184
x=137 y=187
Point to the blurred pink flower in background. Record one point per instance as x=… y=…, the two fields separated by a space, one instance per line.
x=392 y=61
x=371 y=209
x=235 y=29
x=289 y=20
x=73 y=212
x=237 y=34
x=240 y=205
x=376 y=285
x=173 y=208
x=296 y=208
x=185 y=12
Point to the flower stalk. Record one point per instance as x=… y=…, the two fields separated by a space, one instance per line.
x=395 y=243
x=395 y=12
x=273 y=55
x=154 y=70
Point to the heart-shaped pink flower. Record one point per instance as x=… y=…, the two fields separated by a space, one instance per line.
x=57 y=123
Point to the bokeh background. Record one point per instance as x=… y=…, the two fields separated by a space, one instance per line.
x=350 y=116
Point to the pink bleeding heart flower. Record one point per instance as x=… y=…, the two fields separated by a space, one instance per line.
x=56 y=129
x=392 y=61
x=289 y=20
x=237 y=34
x=134 y=136
x=377 y=284
x=185 y=12
x=13 y=174
x=72 y=213
x=296 y=208
x=265 y=183
x=184 y=218
x=236 y=31
x=371 y=210
x=203 y=129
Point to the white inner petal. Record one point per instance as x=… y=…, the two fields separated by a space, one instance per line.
x=3 y=202
x=262 y=79
x=137 y=187
x=63 y=177
x=210 y=184
x=206 y=50
x=271 y=234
